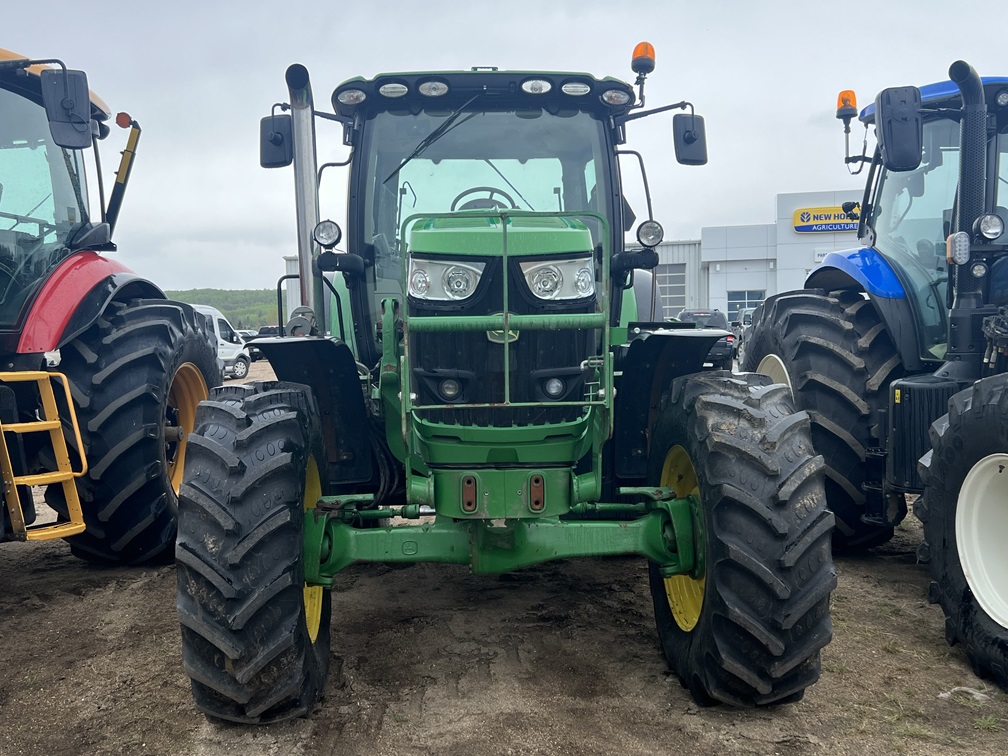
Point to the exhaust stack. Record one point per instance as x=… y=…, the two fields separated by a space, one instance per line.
x=972 y=170
x=305 y=184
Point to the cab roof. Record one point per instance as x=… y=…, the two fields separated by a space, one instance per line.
x=559 y=89
x=945 y=92
x=99 y=110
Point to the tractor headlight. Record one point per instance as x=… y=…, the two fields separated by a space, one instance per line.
x=459 y=281
x=554 y=388
x=560 y=279
x=650 y=233
x=989 y=226
x=443 y=281
x=615 y=97
x=327 y=234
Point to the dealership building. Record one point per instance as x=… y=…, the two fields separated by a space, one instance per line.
x=731 y=267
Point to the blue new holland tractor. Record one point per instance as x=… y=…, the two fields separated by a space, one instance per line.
x=897 y=349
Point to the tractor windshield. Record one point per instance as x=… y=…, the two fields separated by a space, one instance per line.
x=533 y=160
x=42 y=201
x=911 y=217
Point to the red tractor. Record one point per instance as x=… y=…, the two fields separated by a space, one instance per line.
x=106 y=434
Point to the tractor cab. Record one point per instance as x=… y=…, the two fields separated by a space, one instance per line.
x=50 y=119
x=43 y=194
x=911 y=207
x=441 y=176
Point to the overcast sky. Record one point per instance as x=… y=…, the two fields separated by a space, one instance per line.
x=198 y=76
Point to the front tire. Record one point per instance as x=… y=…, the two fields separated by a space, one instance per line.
x=748 y=626
x=965 y=514
x=136 y=377
x=836 y=355
x=255 y=637
x=240 y=369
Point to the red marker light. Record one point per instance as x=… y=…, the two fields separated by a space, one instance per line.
x=123 y=120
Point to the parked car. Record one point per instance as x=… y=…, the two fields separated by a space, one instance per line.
x=722 y=352
x=247 y=335
x=230 y=346
x=743 y=318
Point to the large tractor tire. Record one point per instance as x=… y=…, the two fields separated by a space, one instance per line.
x=255 y=637
x=965 y=514
x=747 y=626
x=836 y=355
x=136 y=378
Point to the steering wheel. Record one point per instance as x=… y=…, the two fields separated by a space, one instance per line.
x=484 y=203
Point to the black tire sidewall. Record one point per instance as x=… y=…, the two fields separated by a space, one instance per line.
x=976 y=426
x=820 y=343
x=169 y=335
x=219 y=471
x=696 y=655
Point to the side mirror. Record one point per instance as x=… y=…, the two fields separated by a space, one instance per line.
x=690 y=139
x=68 y=107
x=735 y=324
x=899 y=127
x=276 y=141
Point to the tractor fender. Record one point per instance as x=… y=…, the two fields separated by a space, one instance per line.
x=647 y=368
x=73 y=298
x=328 y=368
x=866 y=265
x=867 y=271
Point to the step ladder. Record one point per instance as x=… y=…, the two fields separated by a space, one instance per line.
x=64 y=474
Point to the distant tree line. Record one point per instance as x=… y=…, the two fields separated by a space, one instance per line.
x=245 y=308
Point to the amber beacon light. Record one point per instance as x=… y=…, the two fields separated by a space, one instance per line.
x=643 y=58
x=846 y=105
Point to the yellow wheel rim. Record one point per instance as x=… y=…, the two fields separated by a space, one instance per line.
x=312 y=593
x=685 y=594
x=186 y=391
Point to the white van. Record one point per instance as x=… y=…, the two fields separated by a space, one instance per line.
x=231 y=349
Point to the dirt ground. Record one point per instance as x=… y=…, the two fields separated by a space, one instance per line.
x=558 y=659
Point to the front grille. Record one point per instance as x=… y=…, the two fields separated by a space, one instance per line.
x=477 y=363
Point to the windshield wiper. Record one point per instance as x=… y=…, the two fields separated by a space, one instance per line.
x=508 y=182
x=436 y=134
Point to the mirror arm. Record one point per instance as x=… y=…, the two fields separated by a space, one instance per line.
x=620 y=120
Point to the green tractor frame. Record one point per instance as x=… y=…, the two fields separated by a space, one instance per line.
x=477 y=379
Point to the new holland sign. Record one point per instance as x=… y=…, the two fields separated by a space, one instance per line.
x=822 y=220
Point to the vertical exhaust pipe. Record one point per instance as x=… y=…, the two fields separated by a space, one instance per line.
x=965 y=349
x=305 y=184
x=972 y=170
x=972 y=144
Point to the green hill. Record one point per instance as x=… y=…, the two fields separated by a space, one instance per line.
x=245 y=308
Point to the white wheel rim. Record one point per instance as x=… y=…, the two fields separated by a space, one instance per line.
x=981 y=525
x=773 y=366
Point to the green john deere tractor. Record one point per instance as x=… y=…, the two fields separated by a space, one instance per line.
x=481 y=361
